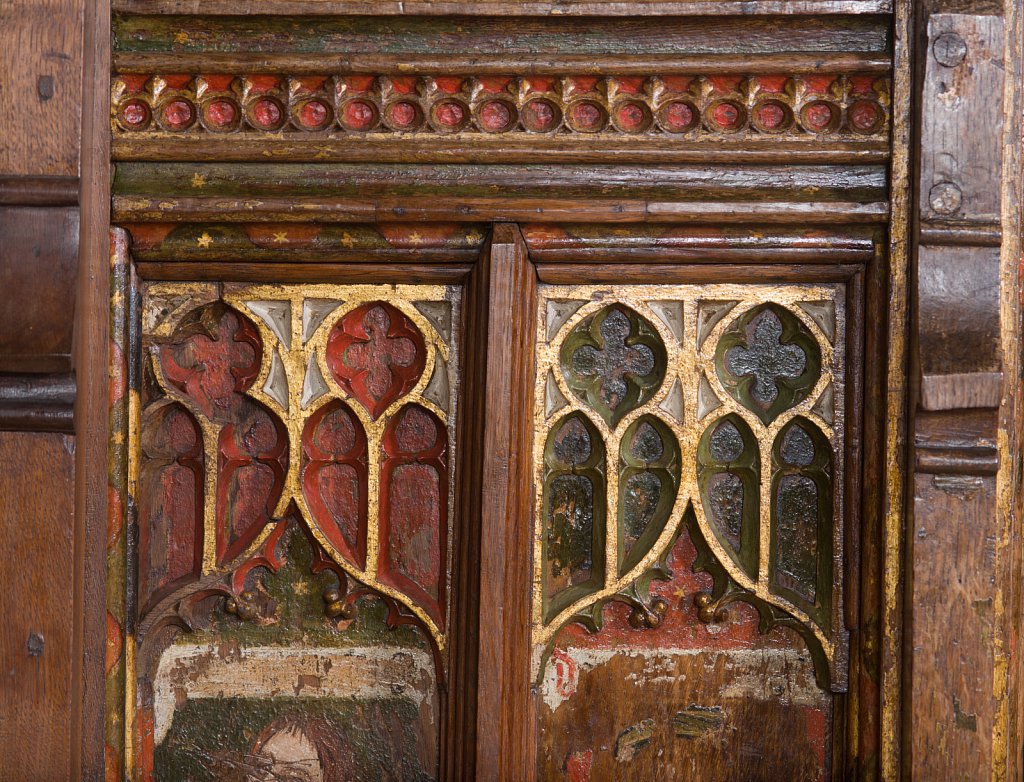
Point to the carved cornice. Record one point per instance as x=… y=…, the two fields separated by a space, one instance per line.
x=734 y=90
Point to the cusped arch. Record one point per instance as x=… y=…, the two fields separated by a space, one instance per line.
x=413 y=528
x=768 y=360
x=649 y=474
x=376 y=354
x=252 y=463
x=170 y=502
x=212 y=358
x=335 y=478
x=574 y=513
x=802 y=525
x=614 y=360
x=729 y=478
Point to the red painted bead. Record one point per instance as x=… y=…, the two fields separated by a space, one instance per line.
x=631 y=117
x=267 y=113
x=402 y=115
x=726 y=115
x=678 y=116
x=865 y=116
x=772 y=115
x=178 y=114
x=313 y=115
x=221 y=113
x=358 y=115
x=587 y=116
x=818 y=116
x=495 y=116
x=450 y=114
x=540 y=115
x=135 y=113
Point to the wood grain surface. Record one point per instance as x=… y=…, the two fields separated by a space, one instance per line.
x=952 y=605
x=556 y=8
x=37 y=517
x=503 y=704
x=40 y=88
x=39 y=243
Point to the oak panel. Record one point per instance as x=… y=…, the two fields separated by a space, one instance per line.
x=36 y=491
x=40 y=109
x=951 y=603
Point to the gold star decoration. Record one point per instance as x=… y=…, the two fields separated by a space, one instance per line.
x=281 y=236
x=415 y=238
x=181 y=37
x=474 y=236
x=199 y=180
x=347 y=240
x=205 y=240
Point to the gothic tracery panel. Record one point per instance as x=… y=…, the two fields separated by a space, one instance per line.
x=296 y=474
x=690 y=445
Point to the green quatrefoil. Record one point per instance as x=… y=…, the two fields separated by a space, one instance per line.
x=768 y=361
x=615 y=361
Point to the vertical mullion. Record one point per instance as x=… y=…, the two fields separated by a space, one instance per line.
x=89 y=750
x=503 y=716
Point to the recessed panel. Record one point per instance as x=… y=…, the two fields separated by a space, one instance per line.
x=293 y=491
x=692 y=469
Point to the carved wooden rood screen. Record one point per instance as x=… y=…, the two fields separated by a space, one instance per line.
x=503 y=396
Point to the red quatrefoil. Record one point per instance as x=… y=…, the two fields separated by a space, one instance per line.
x=376 y=354
x=215 y=358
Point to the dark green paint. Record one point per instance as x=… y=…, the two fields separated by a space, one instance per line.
x=483 y=36
x=729 y=475
x=800 y=555
x=649 y=473
x=796 y=511
x=293 y=601
x=571 y=530
x=574 y=513
x=613 y=360
x=211 y=740
x=694 y=721
x=726 y=501
x=768 y=361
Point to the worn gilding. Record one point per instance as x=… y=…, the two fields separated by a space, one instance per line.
x=676 y=329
